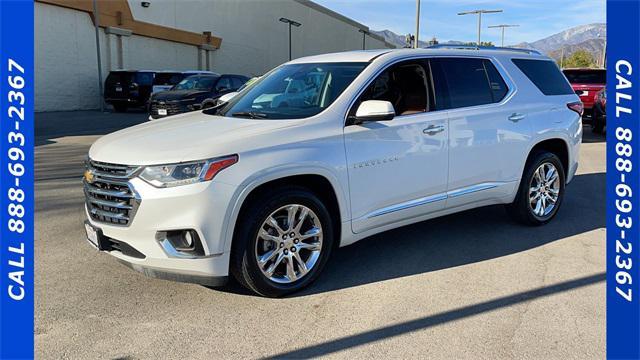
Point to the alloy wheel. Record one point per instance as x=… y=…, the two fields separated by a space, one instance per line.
x=544 y=189
x=289 y=243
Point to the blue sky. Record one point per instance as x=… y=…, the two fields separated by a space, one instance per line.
x=537 y=18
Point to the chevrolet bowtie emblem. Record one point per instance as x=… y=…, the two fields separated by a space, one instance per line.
x=89 y=176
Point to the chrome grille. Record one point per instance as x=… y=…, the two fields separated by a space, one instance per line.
x=108 y=195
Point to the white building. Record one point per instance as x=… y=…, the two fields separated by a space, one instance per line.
x=226 y=36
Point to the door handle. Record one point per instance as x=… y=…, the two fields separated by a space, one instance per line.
x=515 y=117
x=433 y=129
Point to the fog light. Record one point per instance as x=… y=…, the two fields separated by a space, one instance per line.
x=181 y=243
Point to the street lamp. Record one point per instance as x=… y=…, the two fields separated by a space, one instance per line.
x=291 y=23
x=502 y=26
x=415 y=44
x=364 y=37
x=479 y=12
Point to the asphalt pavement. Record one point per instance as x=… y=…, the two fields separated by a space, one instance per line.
x=472 y=285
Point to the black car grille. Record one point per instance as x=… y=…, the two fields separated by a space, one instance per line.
x=172 y=108
x=108 y=195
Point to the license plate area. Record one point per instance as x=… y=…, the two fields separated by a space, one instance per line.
x=94 y=235
x=162 y=112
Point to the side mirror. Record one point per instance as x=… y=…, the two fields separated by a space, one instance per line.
x=226 y=97
x=375 y=110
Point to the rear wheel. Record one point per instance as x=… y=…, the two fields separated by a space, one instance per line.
x=282 y=242
x=541 y=190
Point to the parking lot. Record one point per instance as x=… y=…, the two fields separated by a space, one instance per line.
x=469 y=285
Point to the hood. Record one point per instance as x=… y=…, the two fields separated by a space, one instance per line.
x=172 y=95
x=185 y=137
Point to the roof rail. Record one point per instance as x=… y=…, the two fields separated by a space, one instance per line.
x=473 y=47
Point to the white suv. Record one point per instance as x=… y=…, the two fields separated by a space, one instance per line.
x=265 y=186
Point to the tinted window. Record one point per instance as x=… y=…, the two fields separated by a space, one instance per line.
x=545 y=75
x=224 y=84
x=167 y=78
x=466 y=79
x=237 y=82
x=144 y=78
x=404 y=85
x=196 y=83
x=594 y=76
x=496 y=83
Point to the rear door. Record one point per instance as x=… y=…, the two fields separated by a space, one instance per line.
x=488 y=132
x=397 y=169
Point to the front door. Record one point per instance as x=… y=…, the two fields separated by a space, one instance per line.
x=398 y=168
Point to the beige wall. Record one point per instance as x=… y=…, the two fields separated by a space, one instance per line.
x=253 y=41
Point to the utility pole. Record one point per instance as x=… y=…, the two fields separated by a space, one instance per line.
x=415 y=44
x=291 y=23
x=502 y=26
x=479 y=12
x=562 y=58
x=97 y=26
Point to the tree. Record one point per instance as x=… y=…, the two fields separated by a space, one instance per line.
x=579 y=59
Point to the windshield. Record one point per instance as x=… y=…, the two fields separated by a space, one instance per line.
x=195 y=83
x=586 y=76
x=293 y=91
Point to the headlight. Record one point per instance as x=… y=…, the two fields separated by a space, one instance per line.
x=186 y=173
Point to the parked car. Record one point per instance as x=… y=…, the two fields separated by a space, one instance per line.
x=600 y=112
x=193 y=93
x=265 y=187
x=165 y=80
x=587 y=83
x=228 y=96
x=128 y=88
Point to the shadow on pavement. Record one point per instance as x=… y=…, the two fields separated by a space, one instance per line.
x=52 y=125
x=436 y=319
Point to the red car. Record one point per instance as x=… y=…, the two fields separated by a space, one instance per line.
x=587 y=83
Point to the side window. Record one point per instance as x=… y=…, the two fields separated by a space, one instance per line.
x=404 y=85
x=497 y=85
x=237 y=83
x=223 y=84
x=545 y=75
x=466 y=80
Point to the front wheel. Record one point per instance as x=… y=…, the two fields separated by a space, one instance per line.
x=541 y=190
x=282 y=242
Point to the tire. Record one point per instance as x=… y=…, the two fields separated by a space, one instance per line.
x=248 y=245
x=120 y=108
x=597 y=125
x=522 y=209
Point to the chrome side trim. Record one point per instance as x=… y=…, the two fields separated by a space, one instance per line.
x=407 y=205
x=473 y=188
x=433 y=198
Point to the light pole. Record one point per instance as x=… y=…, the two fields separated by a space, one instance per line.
x=479 y=12
x=415 y=44
x=97 y=28
x=603 y=58
x=291 y=23
x=364 y=38
x=502 y=26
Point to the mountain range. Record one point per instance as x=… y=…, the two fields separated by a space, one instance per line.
x=591 y=37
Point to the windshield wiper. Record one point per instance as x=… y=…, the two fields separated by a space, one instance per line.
x=250 y=114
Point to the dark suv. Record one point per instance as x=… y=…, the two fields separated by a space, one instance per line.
x=193 y=93
x=128 y=88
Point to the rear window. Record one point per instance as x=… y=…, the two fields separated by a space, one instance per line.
x=545 y=75
x=595 y=76
x=168 y=78
x=144 y=78
x=468 y=81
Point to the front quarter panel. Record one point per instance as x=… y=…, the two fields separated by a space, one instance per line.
x=315 y=149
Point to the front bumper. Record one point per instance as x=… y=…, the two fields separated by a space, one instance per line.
x=200 y=207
